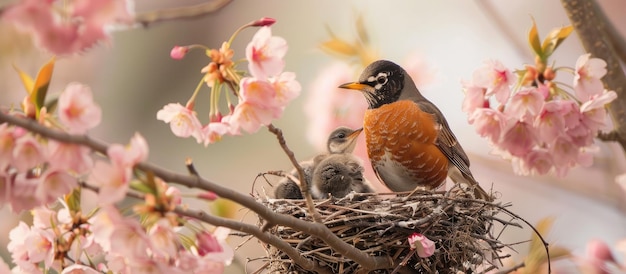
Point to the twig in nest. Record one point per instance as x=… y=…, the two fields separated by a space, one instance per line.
x=304 y=186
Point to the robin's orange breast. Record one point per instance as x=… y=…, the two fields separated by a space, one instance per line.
x=401 y=145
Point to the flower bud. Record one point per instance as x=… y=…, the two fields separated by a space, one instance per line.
x=265 y=21
x=178 y=52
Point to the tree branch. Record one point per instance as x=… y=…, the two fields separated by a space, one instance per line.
x=304 y=185
x=316 y=229
x=151 y=17
x=594 y=30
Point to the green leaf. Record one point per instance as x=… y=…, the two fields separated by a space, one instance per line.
x=42 y=82
x=533 y=40
x=73 y=200
x=554 y=39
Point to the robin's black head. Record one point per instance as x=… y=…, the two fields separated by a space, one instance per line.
x=382 y=82
x=343 y=140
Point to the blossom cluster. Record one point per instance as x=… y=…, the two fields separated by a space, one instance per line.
x=48 y=177
x=67 y=27
x=534 y=120
x=261 y=95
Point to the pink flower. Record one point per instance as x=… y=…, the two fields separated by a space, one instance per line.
x=489 y=123
x=183 y=121
x=593 y=111
x=265 y=54
x=213 y=246
x=598 y=256
x=23 y=193
x=525 y=104
x=18 y=248
x=250 y=117
x=71 y=28
x=163 y=239
x=518 y=139
x=28 y=153
x=178 y=53
x=77 y=110
x=621 y=181
x=424 y=246
x=103 y=224
x=258 y=92
x=75 y=158
x=536 y=161
x=474 y=98
x=587 y=77
x=286 y=87
x=7 y=143
x=130 y=240
x=550 y=123
x=496 y=78
x=130 y=155
x=79 y=269
x=564 y=151
x=214 y=131
x=54 y=184
x=40 y=244
x=112 y=180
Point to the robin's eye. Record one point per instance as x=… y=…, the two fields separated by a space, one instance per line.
x=381 y=79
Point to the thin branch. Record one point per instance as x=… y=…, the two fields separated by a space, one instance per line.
x=611 y=136
x=316 y=229
x=151 y=17
x=304 y=185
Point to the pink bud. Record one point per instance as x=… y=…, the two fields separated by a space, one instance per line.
x=210 y=196
x=178 y=53
x=265 y=21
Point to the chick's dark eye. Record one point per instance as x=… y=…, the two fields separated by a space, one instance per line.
x=341 y=135
x=382 y=79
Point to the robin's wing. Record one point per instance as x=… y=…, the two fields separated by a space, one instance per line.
x=446 y=141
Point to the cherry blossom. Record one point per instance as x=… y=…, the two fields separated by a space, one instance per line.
x=213 y=246
x=424 y=246
x=540 y=126
x=589 y=71
x=79 y=269
x=68 y=28
x=265 y=54
x=183 y=121
x=77 y=110
x=286 y=87
x=495 y=78
x=71 y=157
x=251 y=117
x=54 y=183
x=112 y=180
x=28 y=153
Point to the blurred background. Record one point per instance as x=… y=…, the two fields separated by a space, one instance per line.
x=134 y=77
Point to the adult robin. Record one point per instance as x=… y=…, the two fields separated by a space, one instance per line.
x=341 y=140
x=338 y=175
x=409 y=142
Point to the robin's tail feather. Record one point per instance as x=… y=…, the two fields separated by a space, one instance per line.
x=469 y=183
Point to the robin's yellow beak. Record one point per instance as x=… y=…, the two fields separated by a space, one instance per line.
x=355 y=86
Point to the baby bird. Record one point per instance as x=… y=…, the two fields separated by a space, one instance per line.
x=341 y=141
x=337 y=175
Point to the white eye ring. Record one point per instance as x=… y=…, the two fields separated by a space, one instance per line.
x=381 y=79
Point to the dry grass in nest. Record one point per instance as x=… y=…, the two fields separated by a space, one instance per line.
x=379 y=224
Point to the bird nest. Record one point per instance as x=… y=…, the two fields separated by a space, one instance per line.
x=463 y=230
